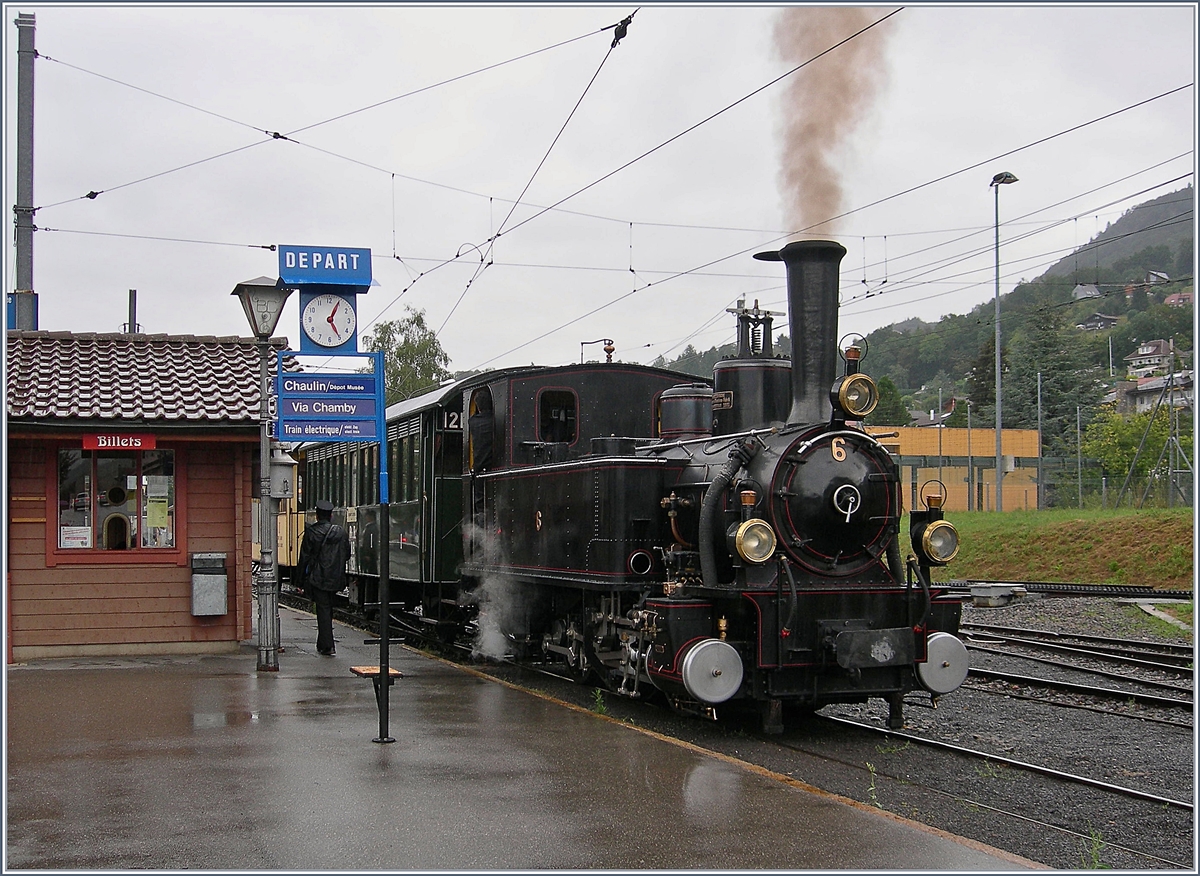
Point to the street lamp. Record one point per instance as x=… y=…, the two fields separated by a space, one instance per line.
x=998 y=180
x=263 y=302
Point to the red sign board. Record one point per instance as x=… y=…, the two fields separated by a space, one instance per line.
x=123 y=441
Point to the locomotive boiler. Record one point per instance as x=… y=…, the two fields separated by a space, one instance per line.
x=733 y=541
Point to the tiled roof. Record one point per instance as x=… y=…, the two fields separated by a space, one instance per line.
x=110 y=377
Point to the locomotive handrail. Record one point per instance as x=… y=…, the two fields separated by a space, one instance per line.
x=706 y=439
x=841 y=432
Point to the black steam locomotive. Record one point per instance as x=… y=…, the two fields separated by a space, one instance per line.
x=718 y=542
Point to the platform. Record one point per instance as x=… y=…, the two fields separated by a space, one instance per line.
x=201 y=762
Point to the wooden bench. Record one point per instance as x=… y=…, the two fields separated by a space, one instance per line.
x=373 y=673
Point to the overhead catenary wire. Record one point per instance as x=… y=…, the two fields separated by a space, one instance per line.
x=621 y=29
x=907 y=191
x=275 y=135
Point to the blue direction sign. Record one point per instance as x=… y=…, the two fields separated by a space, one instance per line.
x=325 y=265
x=328 y=430
x=301 y=385
x=330 y=407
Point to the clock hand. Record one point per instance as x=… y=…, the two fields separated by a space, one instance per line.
x=329 y=319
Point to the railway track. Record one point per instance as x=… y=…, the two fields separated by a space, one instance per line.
x=1159 y=655
x=1056 y=588
x=949 y=780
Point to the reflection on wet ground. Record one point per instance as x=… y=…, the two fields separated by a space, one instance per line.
x=203 y=762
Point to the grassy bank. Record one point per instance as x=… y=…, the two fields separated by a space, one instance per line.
x=1092 y=547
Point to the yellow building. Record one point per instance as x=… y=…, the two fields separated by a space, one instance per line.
x=949 y=455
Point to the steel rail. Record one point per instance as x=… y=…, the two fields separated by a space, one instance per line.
x=1171 y=668
x=1019 y=764
x=908 y=780
x=1171 y=649
x=1107 y=692
x=1057 y=588
x=1160 y=685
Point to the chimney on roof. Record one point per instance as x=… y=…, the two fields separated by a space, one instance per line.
x=131 y=327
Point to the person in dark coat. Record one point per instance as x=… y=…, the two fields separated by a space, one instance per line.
x=324 y=551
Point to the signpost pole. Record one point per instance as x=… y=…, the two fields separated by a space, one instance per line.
x=385 y=560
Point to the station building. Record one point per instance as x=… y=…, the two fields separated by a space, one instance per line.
x=132 y=464
x=965 y=461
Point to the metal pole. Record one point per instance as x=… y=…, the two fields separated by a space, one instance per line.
x=385 y=562
x=941 y=423
x=997 y=181
x=26 y=301
x=268 y=593
x=1040 y=482
x=1079 y=454
x=970 y=464
x=999 y=460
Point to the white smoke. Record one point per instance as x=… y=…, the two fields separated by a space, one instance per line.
x=500 y=602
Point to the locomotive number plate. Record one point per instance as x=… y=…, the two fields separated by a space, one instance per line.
x=723 y=401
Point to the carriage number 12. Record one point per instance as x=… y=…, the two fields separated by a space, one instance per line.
x=452 y=420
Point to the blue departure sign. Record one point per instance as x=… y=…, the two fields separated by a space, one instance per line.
x=322 y=406
x=324 y=265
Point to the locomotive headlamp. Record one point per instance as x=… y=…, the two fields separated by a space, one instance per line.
x=933 y=538
x=856 y=395
x=754 y=541
x=939 y=542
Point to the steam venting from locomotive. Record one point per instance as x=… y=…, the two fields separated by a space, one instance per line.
x=812 y=288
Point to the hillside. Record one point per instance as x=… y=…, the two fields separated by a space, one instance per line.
x=1163 y=221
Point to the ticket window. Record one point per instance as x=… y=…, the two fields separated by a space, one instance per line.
x=116 y=500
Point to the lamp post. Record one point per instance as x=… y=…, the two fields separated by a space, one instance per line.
x=998 y=180
x=263 y=302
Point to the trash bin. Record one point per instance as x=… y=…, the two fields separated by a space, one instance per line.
x=210 y=585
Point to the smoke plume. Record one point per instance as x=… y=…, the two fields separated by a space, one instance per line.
x=824 y=104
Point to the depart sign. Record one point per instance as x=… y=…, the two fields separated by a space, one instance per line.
x=324 y=265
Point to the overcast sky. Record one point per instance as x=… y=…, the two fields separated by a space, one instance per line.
x=128 y=96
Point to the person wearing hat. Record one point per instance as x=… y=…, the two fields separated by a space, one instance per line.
x=324 y=551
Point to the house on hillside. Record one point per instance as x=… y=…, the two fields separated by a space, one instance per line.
x=1179 y=299
x=1139 y=396
x=1098 y=322
x=1083 y=291
x=1150 y=358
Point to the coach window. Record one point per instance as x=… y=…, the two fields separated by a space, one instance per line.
x=116 y=500
x=556 y=416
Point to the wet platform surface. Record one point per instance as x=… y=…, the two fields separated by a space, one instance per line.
x=204 y=763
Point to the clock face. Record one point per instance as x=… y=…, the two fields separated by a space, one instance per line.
x=329 y=320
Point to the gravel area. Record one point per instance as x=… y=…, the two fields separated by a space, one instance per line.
x=1057 y=824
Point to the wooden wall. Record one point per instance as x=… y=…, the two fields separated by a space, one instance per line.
x=104 y=605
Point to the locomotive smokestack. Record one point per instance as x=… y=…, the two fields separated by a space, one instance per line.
x=812 y=284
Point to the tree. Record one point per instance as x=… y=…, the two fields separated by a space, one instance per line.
x=1113 y=439
x=1047 y=347
x=891 y=410
x=415 y=359
x=981 y=379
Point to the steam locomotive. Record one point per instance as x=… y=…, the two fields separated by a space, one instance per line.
x=726 y=541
